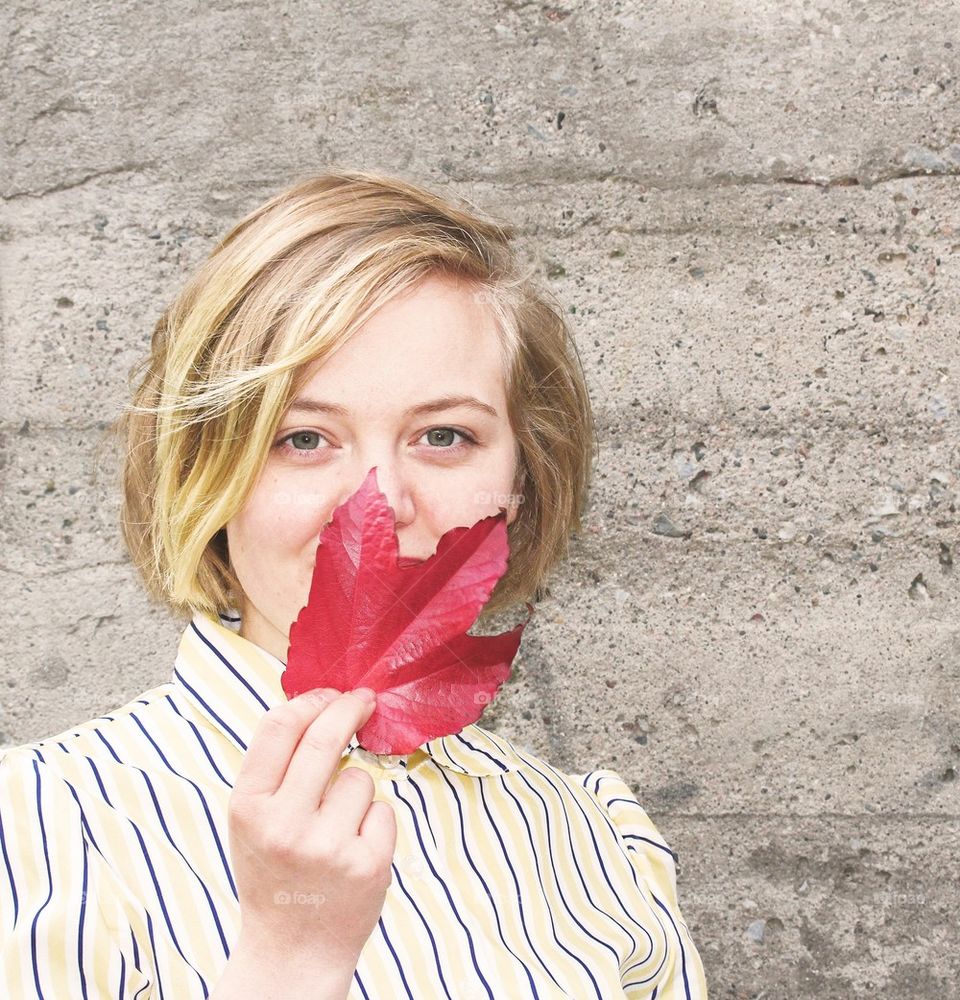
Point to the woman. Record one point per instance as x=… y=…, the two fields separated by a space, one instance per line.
x=212 y=838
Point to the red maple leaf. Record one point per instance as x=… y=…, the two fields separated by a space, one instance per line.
x=399 y=625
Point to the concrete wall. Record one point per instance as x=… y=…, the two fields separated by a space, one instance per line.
x=751 y=212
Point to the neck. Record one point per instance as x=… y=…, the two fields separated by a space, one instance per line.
x=263 y=633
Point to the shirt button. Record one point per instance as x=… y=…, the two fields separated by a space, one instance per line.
x=414 y=866
x=388 y=762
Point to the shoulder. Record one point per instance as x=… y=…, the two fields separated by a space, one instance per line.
x=621 y=804
x=601 y=789
x=602 y=792
x=35 y=801
x=94 y=738
x=651 y=855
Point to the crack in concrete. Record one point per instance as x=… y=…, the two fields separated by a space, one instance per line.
x=652 y=183
x=123 y=168
x=655 y=182
x=881 y=816
x=27 y=575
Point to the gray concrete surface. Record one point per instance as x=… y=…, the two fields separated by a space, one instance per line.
x=752 y=214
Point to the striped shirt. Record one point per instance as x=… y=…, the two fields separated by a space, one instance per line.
x=510 y=879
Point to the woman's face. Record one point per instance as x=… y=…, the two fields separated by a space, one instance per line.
x=440 y=466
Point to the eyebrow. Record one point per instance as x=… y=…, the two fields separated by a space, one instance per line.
x=433 y=406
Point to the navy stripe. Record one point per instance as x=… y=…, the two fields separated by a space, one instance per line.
x=136 y=951
x=200 y=740
x=206 y=810
x=486 y=888
x=483 y=753
x=10 y=878
x=96 y=774
x=683 y=954
x=236 y=673
x=386 y=938
x=456 y=912
x=647 y=840
x=426 y=855
x=83 y=819
x=359 y=981
x=36 y=916
x=543 y=891
x=596 y=787
x=153 y=948
x=576 y=865
x=516 y=883
x=83 y=913
x=611 y=826
x=113 y=753
x=166 y=915
x=426 y=927
x=653 y=843
x=633 y=802
x=423 y=806
x=176 y=847
x=210 y=711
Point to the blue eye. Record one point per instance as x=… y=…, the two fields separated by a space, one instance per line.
x=292 y=442
x=300 y=435
x=450 y=430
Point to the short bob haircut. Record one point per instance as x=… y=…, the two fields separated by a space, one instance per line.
x=283 y=289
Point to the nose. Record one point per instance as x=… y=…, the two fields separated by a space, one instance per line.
x=391 y=483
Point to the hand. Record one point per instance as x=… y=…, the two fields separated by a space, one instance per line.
x=311 y=854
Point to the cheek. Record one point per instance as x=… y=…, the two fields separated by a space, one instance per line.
x=268 y=528
x=464 y=502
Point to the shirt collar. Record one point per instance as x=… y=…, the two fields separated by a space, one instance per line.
x=233 y=682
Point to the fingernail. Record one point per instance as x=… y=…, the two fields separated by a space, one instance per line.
x=367 y=694
x=318 y=696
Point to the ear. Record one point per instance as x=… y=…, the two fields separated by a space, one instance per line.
x=517 y=497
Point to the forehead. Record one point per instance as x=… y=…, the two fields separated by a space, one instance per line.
x=438 y=338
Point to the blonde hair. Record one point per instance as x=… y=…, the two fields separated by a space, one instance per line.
x=283 y=289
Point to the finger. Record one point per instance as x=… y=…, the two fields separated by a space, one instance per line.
x=379 y=829
x=317 y=756
x=346 y=802
x=275 y=739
